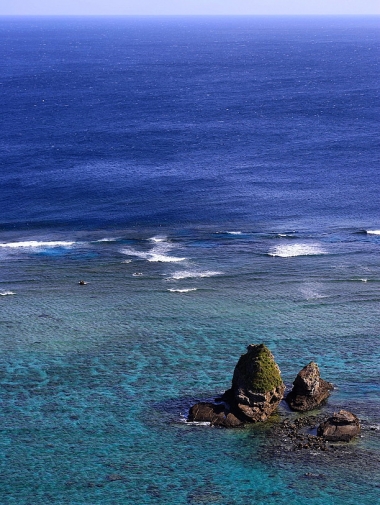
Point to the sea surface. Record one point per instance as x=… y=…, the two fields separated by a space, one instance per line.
x=215 y=182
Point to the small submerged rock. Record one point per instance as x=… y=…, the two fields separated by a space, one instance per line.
x=342 y=426
x=309 y=390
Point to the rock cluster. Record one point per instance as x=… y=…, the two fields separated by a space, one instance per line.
x=256 y=391
x=309 y=390
x=297 y=435
x=341 y=427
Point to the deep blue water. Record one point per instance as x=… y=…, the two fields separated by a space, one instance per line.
x=215 y=181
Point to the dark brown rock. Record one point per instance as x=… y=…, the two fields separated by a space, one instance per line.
x=215 y=414
x=341 y=427
x=309 y=390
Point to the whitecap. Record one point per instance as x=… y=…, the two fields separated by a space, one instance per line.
x=132 y=252
x=107 y=240
x=35 y=244
x=186 y=274
x=157 y=254
x=373 y=232
x=161 y=258
x=158 y=238
x=299 y=249
x=228 y=232
x=7 y=293
x=185 y=290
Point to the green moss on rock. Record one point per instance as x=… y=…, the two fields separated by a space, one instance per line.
x=258 y=369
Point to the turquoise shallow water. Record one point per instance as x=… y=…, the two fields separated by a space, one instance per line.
x=96 y=380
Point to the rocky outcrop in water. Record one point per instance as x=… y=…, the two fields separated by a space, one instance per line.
x=217 y=414
x=256 y=391
x=257 y=386
x=309 y=390
x=342 y=426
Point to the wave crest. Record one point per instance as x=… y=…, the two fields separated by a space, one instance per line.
x=158 y=253
x=36 y=244
x=185 y=290
x=299 y=249
x=186 y=274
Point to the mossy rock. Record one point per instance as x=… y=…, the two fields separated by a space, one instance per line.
x=258 y=370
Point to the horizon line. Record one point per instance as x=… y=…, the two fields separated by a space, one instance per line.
x=192 y=15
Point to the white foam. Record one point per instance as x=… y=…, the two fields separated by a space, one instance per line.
x=183 y=419
x=35 y=244
x=107 y=240
x=7 y=293
x=158 y=238
x=312 y=291
x=374 y=427
x=157 y=254
x=234 y=232
x=186 y=274
x=198 y=423
x=161 y=258
x=299 y=249
x=132 y=252
x=182 y=290
x=373 y=232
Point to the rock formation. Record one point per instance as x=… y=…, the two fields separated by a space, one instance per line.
x=341 y=427
x=257 y=386
x=217 y=414
x=309 y=390
x=256 y=391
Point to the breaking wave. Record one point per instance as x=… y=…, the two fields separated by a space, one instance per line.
x=373 y=232
x=158 y=253
x=158 y=239
x=287 y=235
x=185 y=274
x=7 y=293
x=291 y=250
x=107 y=240
x=35 y=244
x=185 y=290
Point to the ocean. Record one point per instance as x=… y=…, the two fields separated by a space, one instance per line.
x=215 y=183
